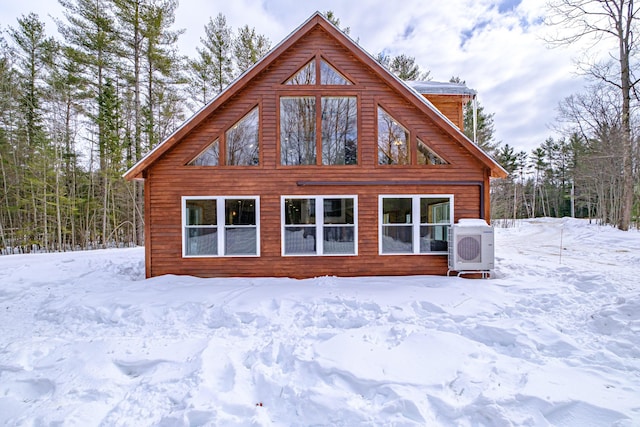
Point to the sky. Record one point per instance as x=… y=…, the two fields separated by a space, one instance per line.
x=496 y=46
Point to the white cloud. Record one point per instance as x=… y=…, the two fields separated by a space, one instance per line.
x=495 y=45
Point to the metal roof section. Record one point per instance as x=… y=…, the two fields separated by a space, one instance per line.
x=440 y=88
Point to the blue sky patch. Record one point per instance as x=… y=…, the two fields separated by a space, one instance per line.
x=506 y=6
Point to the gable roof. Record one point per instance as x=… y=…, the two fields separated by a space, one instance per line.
x=316 y=20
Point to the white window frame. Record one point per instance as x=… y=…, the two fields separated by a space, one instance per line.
x=319 y=225
x=415 y=220
x=221 y=225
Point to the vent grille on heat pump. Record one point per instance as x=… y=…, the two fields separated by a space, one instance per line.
x=469 y=248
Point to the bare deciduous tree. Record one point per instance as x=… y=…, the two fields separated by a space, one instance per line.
x=598 y=20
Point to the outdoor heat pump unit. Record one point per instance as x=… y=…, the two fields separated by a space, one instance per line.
x=471 y=247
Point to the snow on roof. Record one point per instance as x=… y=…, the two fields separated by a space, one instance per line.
x=440 y=88
x=472 y=222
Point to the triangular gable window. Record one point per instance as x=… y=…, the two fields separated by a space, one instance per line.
x=209 y=157
x=426 y=156
x=328 y=75
x=306 y=75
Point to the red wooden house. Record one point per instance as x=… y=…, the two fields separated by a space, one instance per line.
x=316 y=161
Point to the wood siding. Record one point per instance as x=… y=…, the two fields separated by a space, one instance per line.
x=451 y=106
x=168 y=178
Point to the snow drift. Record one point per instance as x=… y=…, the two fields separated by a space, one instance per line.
x=551 y=340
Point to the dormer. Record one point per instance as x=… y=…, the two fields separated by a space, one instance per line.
x=449 y=98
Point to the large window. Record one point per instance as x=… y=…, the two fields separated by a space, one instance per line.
x=338 y=117
x=414 y=224
x=319 y=225
x=220 y=226
x=317 y=129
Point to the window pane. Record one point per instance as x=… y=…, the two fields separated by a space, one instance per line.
x=240 y=241
x=426 y=156
x=298 y=130
x=240 y=212
x=434 y=211
x=242 y=141
x=339 y=130
x=300 y=240
x=338 y=211
x=306 y=75
x=201 y=212
x=396 y=211
x=330 y=76
x=300 y=211
x=339 y=240
x=434 y=238
x=201 y=241
x=209 y=157
x=393 y=139
x=397 y=239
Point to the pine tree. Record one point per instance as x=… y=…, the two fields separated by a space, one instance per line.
x=218 y=44
x=34 y=49
x=248 y=48
x=89 y=30
x=403 y=66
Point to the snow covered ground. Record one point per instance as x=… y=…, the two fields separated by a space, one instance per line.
x=553 y=339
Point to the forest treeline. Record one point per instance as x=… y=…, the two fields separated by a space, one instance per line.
x=79 y=108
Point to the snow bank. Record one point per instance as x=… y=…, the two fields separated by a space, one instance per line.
x=551 y=340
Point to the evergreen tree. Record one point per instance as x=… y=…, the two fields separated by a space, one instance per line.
x=248 y=48
x=218 y=44
x=66 y=87
x=161 y=64
x=331 y=17
x=484 y=133
x=199 y=85
x=484 y=127
x=403 y=66
x=10 y=157
x=89 y=30
x=33 y=49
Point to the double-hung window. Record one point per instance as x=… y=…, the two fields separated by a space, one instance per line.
x=414 y=224
x=220 y=226
x=319 y=225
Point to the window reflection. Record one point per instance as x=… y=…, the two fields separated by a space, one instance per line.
x=330 y=76
x=209 y=157
x=426 y=156
x=339 y=130
x=306 y=75
x=298 y=130
x=242 y=141
x=393 y=141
